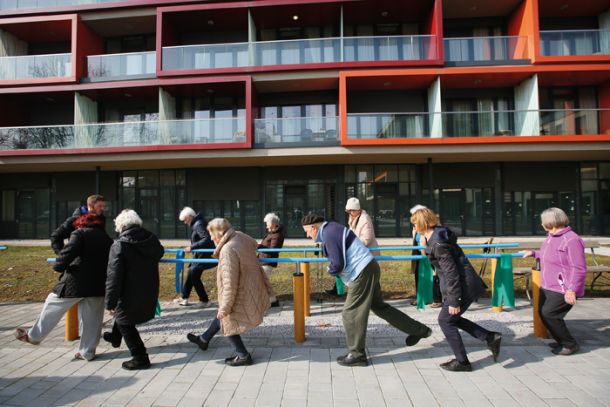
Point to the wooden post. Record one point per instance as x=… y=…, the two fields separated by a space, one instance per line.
x=299 y=315
x=494 y=264
x=539 y=328
x=306 y=289
x=72 y=323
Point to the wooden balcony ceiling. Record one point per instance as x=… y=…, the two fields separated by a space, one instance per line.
x=479 y=8
x=223 y=20
x=308 y=15
x=40 y=31
x=142 y=93
x=572 y=8
x=237 y=89
x=574 y=78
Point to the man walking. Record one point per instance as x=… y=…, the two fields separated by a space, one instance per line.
x=350 y=260
x=200 y=239
x=95 y=204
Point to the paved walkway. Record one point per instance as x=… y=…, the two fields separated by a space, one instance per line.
x=285 y=374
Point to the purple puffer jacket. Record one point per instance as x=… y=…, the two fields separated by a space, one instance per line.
x=562 y=261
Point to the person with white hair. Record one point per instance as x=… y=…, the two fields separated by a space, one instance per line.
x=437 y=297
x=563 y=272
x=243 y=290
x=273 y=239
x=200 y=239
x=132 y=285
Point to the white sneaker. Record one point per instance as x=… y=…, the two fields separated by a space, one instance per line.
x=184 y=302
x=202 y=304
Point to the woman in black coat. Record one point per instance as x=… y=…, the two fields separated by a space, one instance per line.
x=459 y=284
x=82 y=264
x=132 y=285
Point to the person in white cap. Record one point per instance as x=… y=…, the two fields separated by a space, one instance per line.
x=362 y=225
x=437 y=298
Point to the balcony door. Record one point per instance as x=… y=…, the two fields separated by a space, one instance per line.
x=295 y=206
x=452 y=209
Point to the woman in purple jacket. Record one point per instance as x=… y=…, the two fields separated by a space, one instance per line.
x=563 y=265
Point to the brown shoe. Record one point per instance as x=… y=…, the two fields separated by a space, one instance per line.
x=436 y=305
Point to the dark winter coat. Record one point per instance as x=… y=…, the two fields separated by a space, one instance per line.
x=459 y=283
x=201 y=239
x=66 y=228
x=132 y=286
x=82 y=262
x=272 y=240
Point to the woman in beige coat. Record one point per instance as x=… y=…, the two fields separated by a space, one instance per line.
x=243 y=290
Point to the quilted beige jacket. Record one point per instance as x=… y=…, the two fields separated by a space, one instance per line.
x=363 y=228
x=243 y=287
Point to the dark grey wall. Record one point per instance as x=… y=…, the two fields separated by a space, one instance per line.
x=387 y=101
x=224 y=183
x=461 y=175
x=559 y=176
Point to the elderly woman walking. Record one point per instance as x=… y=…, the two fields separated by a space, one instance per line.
x=82 y=264
x=243 y=290
x=132 y=285
x=564 y=268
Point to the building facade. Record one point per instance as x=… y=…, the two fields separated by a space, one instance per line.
x=489 y=112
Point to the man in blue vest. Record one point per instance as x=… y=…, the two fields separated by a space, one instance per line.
x=350 y=260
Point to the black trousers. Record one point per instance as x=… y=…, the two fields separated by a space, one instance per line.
x=450 y=324
x=235 y=340
x=436 y=287
x=552 y=309
x=193 y=279
x=131 y=336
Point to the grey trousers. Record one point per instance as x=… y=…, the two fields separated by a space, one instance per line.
x=363 y=296
x=90 y=315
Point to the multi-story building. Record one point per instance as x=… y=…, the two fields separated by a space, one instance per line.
x=489 y=111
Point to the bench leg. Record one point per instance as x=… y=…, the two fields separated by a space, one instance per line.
x=527 y=287
x=595 y=279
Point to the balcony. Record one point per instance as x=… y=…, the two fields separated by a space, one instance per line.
x=121 y=66
x=126 y=134
x=35 y=66
x=574 y=42
x=486 y=50
x=296 y=132
x=302 y=51
x=479 y=124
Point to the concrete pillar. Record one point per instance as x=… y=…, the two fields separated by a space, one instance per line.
x=527 y=115
x=10 y=46
x=435 y=118
x=168 y=130
x=604 y=25
x=251 y=39
x=85 y=112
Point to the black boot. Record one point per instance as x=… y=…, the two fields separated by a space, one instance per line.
x=493 y=344
x=137 y=363
x=108 y=337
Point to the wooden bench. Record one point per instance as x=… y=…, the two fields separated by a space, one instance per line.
x=526 y=272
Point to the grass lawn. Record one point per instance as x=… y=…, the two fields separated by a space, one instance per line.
x=25 y=275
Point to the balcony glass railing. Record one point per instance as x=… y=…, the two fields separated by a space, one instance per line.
x=292 y=52
x=485 y=49
x=575 y=42
x=205 y=56
x=25 y=4
x=121 y=65
x=479 y=124
x=387 y=125
x=390 y=48
x=127 y=134
x=295 y=52
x=35 y=66
x=296 y=131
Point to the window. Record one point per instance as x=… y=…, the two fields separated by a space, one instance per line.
x=8 y=206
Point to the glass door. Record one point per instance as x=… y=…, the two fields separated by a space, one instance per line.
x=149 y=209
x=542 y=201
x=26 y=207
x=295 y=204
x=452 y=210
x=386 y=209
